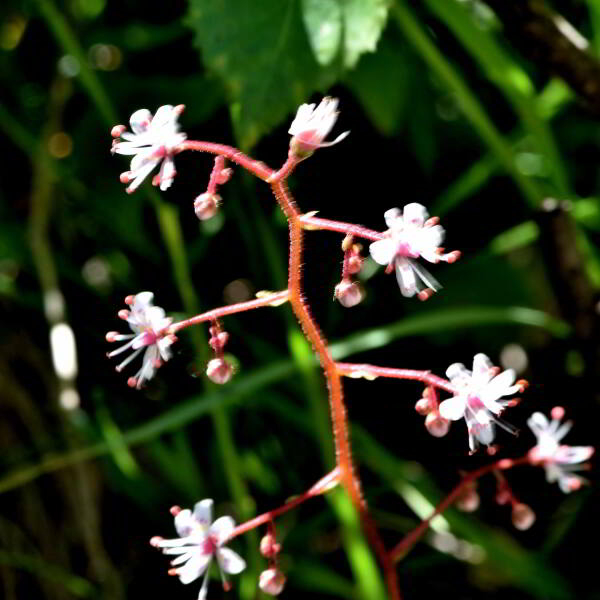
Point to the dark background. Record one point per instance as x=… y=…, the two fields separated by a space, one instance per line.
x=75 y=522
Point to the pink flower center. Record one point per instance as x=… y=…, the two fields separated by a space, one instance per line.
x=209 y=545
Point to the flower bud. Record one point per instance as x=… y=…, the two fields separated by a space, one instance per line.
x=206 y=205
x=436 y=424
x=219 y=371
x=469 y=501
x=354 y=264
x=348 y=293
x=271 y=581
x=423 y=406
x=269 y=546
x=523 y=516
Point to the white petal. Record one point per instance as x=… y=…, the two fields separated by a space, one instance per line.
x=163 y=115
x=222 y=528
x=140 y=120
x=141 y=174
x=194 y=567
x=453 y=408
x=482 y=366
x=415 y=214
x=383 y=251
x=230 y=561
x=185 y=524
x=405 y=275
x=203 y=512
x=538 y=423
x=143 y=158
x=458 y=374
x=391 y=217
x=499 y=386
x=573 y=454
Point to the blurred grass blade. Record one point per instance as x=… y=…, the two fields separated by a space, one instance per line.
x=314 y=578
x=516 y=564
x=360 y=555
x=509 y=77
x=447 y=319
x=78 y=586
x=117 y=447
x=471 y=107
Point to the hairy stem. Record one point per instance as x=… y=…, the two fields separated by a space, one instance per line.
x=266 y=300
x=348 y=478
x=365 y=370
x=323 y=485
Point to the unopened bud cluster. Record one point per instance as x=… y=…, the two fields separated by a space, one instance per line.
x=271 y=580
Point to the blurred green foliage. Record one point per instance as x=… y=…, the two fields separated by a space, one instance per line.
x=443 y=111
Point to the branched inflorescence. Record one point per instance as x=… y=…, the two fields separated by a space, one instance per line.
x=479 y=396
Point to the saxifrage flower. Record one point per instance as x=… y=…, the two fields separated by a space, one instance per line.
x=558 y=460
x=478 y=398
x=311 y=126
x=149 y=325
x=411 y=235
x=152 y=140
x=199 y=541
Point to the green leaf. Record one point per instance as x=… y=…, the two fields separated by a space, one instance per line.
x=261 y=52
x=363 y=23
x=362 y=20
x=323 y=21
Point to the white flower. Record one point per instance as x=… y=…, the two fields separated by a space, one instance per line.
x=411 y=235
x=153 y=141
x=478 y=398
x=558 y=460
x=148 y=323
x=311 y=126
x=199 y=541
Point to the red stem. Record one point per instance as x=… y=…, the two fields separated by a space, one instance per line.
x=350 y=369
x=323 y=485
x=348 y=478
x=256 y=167
x=297 y=223
x=232 y=309
x=341 y=227
x=404 y=545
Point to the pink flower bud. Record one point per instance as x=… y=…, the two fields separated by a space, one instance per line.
x=522 y=516
x=117 y=130
x=423 y=406
x=355 y=264
x=269 y=546
x=217 y=342
x=436 y=424
x=469 y=501
x=219 y=371
x=271 y=581
x=206 y=205
x=348 y=293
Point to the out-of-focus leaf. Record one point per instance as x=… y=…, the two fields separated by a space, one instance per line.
x=510 y=78
x=323 y=21
x=587 y=212
x=514 y=238
x=261 y=51
x=362 y=20
x=381 y=83
x=314 y=578
x=363 y=23
x=471 y=107
x=138 y=36
x=78 y=586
